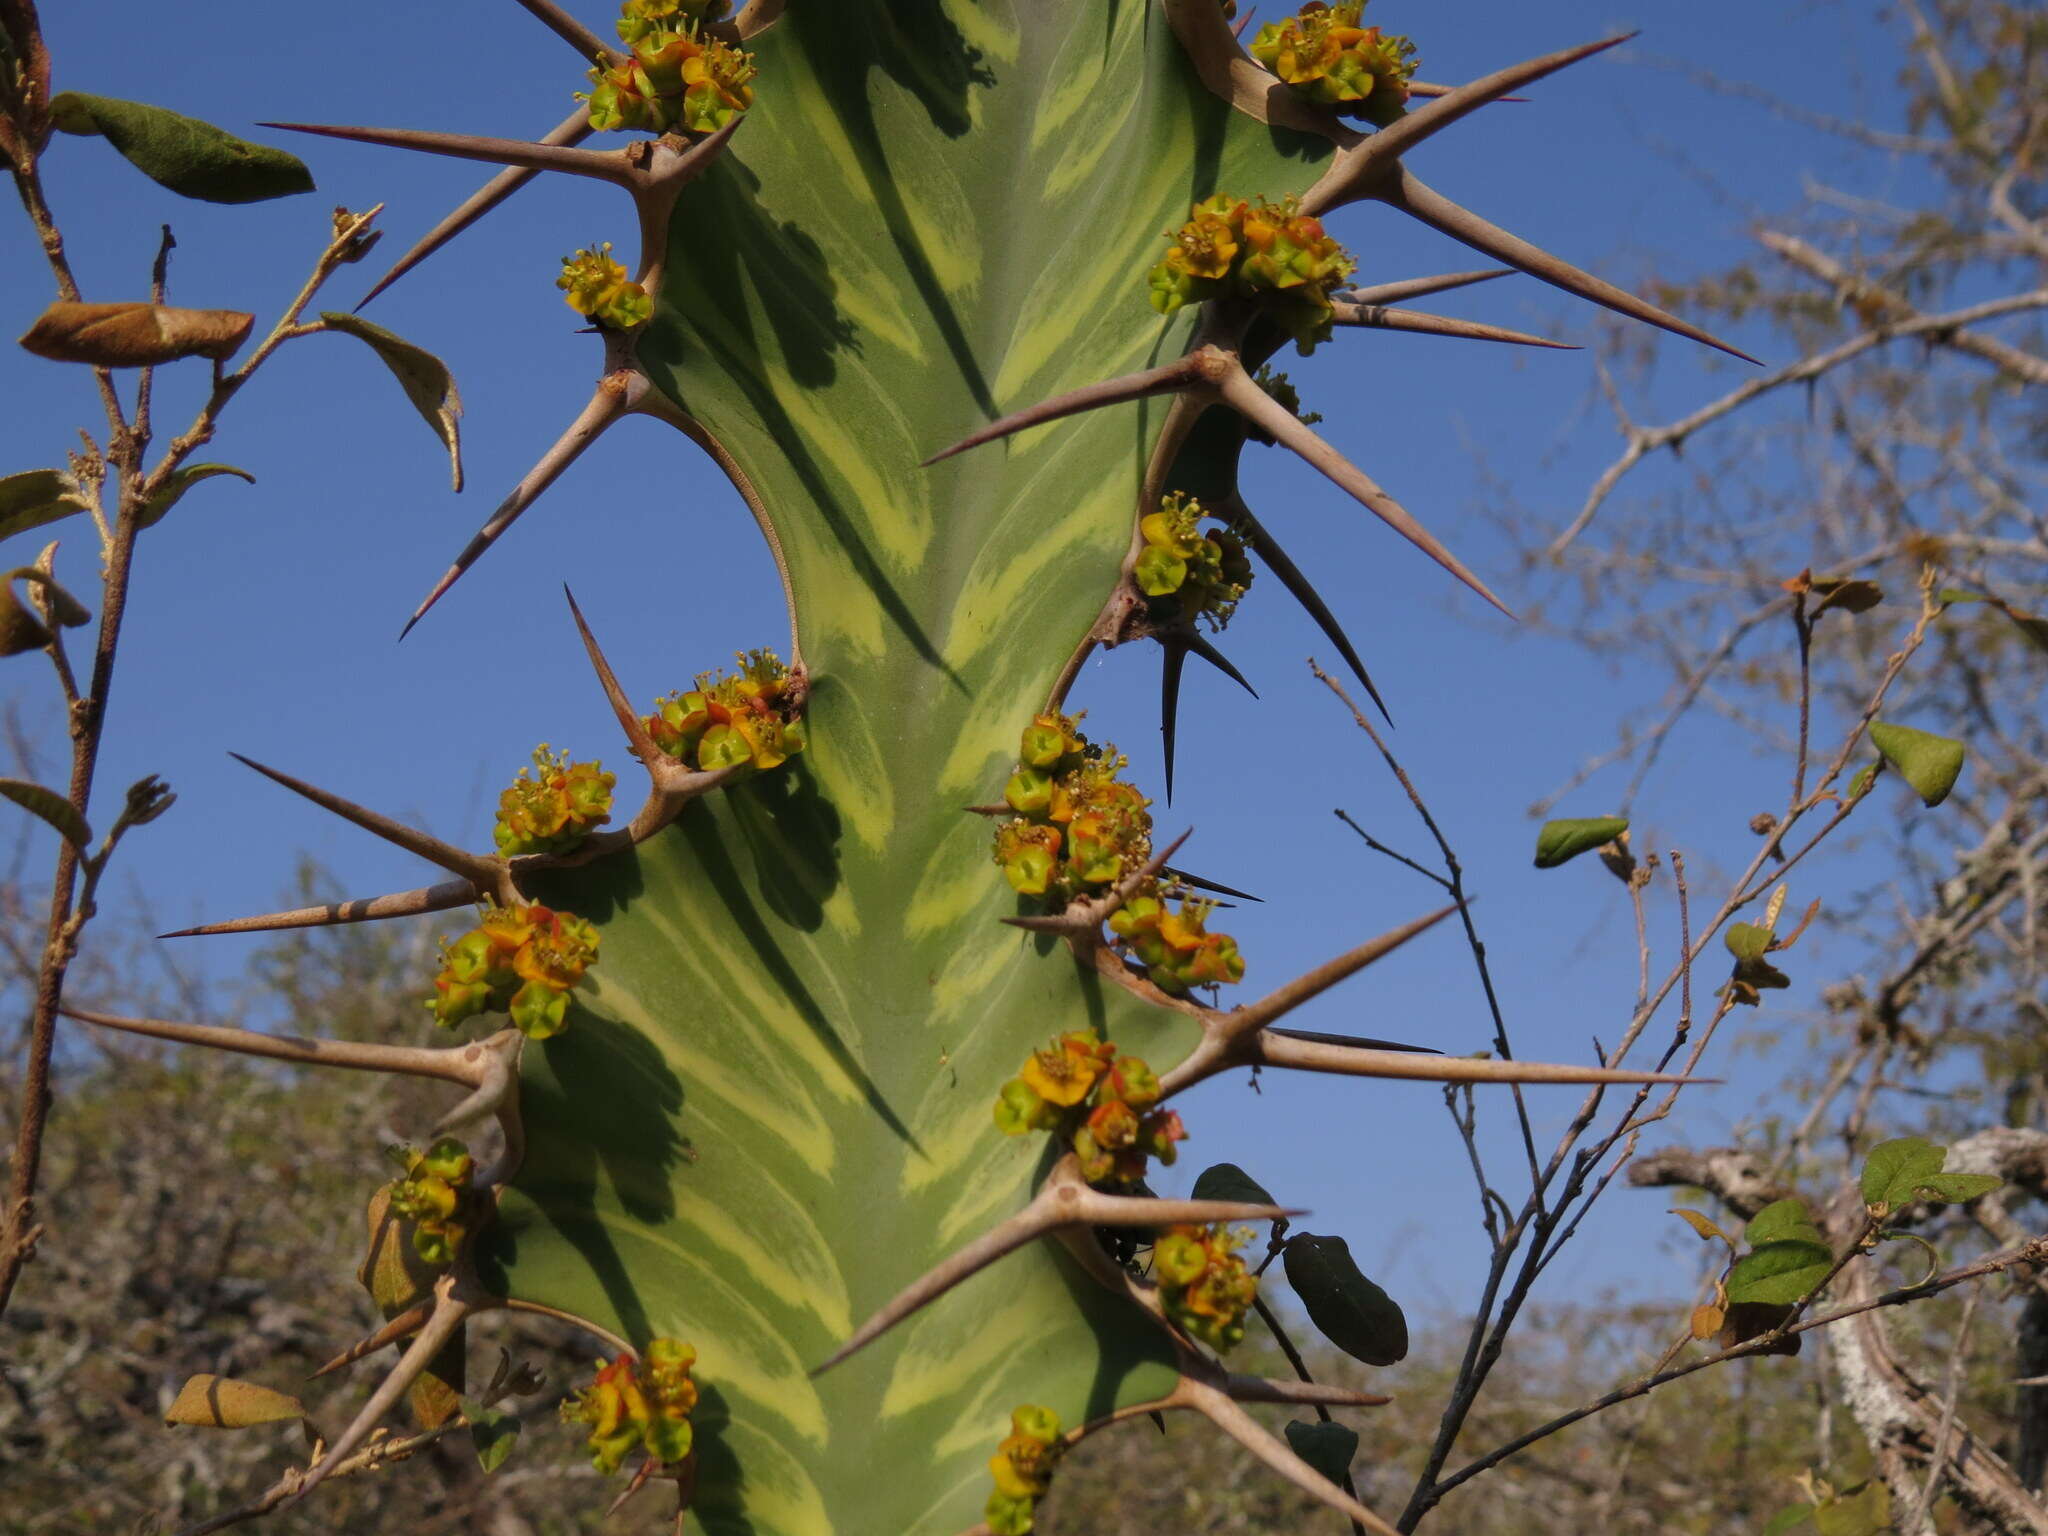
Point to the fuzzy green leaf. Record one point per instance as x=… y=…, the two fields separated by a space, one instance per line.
x=1329 y=1448
x=179 y=483
x=35 y=497
x=493 y=1433
x=191 y=158
x=426 y=380
x=1865 y=1510
x=1957 y=1188
x=1780 y=1220
x=1929 y=763
x=1894 y=1169
x=50 y=807
x=1780 y=1272
x=1748 y=941
x=1789 y=1520
x=1560 y=841
x=1351 y=1312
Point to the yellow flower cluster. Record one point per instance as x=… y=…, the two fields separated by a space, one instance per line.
x=645 y=1402
x=1177 y=948
x=1324 y=56
x=597 y=287
x=522 y=960
x=1022 y=1468
x=556 y=808
x=1203 y=1282
x=724 y=722
x=673 y=75
x=1189 y=573
x=1079 y=826
x=434 y=1196
x=1101 y=1103
x=1269 y=252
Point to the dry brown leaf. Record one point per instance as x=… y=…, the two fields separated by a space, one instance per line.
x=134 y=335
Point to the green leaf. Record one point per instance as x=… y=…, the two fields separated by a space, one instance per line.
x=492 y=1431
x=1954 y=595
x=1781 y=1219
x=1561 y=841
x=1329 y=1448
x=35 y=497
x=1956 y=1188
x=179 y=483
x=425 y=378
x=51 y=807
x=1780 y=1272
x=1352 y=1313
x=1930 y=763
x=192 y=158
x=1865 y=1510
x=1748 y=941
x=1227 y=1181
x=222 y=1402
x=1788 y=1520
x=1894 y=1169
x=1860 y=785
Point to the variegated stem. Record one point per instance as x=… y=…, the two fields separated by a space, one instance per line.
x=1380 y=317
x=444 y=897
x=407 y=1323
x=573 y=129
x=453 y=1302
x=1064 y=1202
x=619 y=391
x=1420 y=287
x=490 y=875
x=1359 y=170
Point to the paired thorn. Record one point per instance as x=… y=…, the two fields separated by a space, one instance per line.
x=612 y=165
x=470 y=1065
x=486 y=873
x=1239 y=391
x=1353 y=1042
x=642 y=744
x=450 y=1310
x=1204 y=364
x=617 y=393
x=1220 y=1408
x=1268 y=549
x=1182 y=877
x=444 y=897
x=1065 y=1202
x=1379 y=317
x=1359 y=170
x=402 y=1326
x=1421 y=287
x=1175 y=646
x=1261 y=1389
x=588 y=44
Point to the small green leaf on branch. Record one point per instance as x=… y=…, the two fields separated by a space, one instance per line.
x=1929 y=763
x=51 y=807
x=1899 y=1172
x=424 y=377
x=178 y=483
x=1329 y=1448
x=492 y=1431
x=1352 y=1313
x=191 y=158
x=1558 y=842
x=35 y=497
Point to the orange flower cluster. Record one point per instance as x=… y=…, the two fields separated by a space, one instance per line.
x=1268 y=252
x=1324 y=56
x=556 y=808
x=1022 y=1468
x=673 y=75
x=1203 y=1282
x=1079 y=826
x=724 y=722
x=645 y=1402
x=1103 y=1104
x=1177 y=948
x=522 y=960
x=433 y=1196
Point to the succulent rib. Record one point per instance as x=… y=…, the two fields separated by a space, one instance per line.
x=447 y=1316
x=1420 y=287
x=1408 y=193
x=1268 y=549
x=486 y=873
x=430 y=898
x=1379 y=317
x=588 y=44
x=465 y=1064
x=1357 y=171
x=406 y=1323
x=1285 y=427
x=616 y=394
x=573 y=129
x=1203 y=364
x=610 y=165
x=1064 y=1202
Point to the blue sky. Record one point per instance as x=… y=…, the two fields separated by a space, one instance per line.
x=265 y=618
